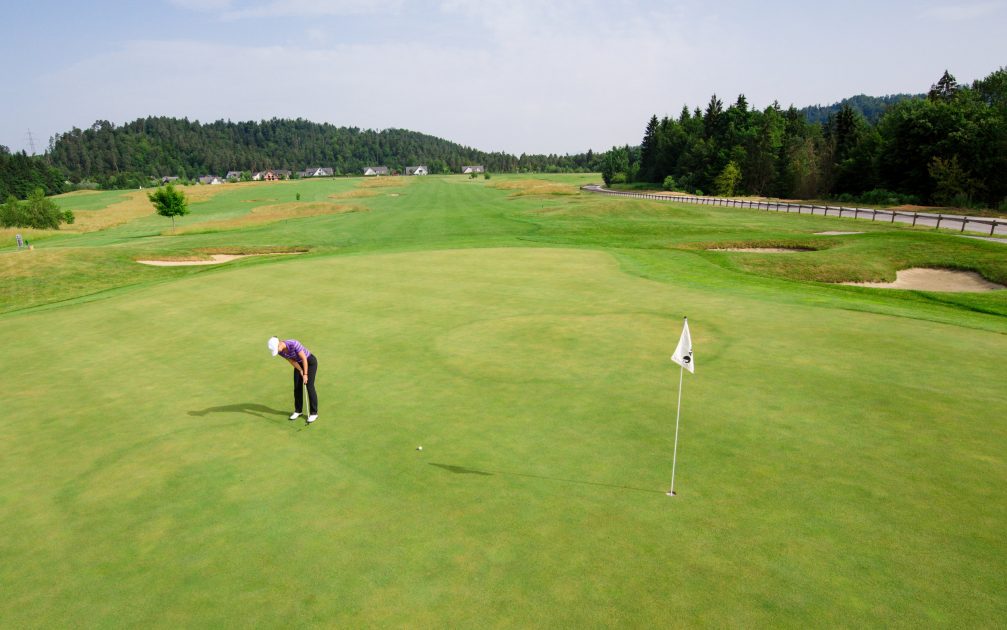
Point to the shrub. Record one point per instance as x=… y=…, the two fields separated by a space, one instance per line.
x=486 y=175
x=298 y=196
x=882 y=197
x=669 y=183
x=618 y=178
x=37 y=212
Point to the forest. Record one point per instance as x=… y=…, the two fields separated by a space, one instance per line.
x=947 y=148
x=149 y=148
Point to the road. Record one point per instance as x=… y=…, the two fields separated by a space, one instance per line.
x=956 y=222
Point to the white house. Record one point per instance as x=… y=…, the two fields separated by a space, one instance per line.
x=235 y=175
x=317 y=172
x=372 y=171
x=416 y=170
x=211 y=179
x=473 y=169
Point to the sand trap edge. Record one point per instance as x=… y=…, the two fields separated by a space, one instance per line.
x=937 y=280
x=217 y=259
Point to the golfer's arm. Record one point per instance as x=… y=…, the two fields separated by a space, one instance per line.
x=294 y=363
x=304 y=363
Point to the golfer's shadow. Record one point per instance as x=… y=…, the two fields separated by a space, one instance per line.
x=252 y=409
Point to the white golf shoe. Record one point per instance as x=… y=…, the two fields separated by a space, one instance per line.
x=295 y=415
x=312 y=418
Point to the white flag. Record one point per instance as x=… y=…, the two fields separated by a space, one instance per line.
x=683 y=353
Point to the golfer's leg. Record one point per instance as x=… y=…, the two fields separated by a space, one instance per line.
x=312 y=395
x=298 y=392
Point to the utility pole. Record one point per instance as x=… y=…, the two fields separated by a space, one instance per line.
x=31 y=142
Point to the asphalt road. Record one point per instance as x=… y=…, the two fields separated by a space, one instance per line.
x=956 y=222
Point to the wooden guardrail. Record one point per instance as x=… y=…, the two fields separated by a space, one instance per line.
x=913 y=218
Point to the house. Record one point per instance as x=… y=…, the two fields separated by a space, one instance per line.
x=167 y=179
x=235 y=175
x=210 y=179
x=271 y=175
x=372 y=171
x=317 y=172
x=473 y=169
x=416 y=170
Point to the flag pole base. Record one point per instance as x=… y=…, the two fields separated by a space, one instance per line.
x=671 y=494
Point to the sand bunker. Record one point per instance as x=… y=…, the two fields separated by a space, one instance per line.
x=759 y=250
x=217 y=259
x=834 y=233
x=943 y=280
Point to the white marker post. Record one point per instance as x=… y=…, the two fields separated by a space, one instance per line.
x=683 y=357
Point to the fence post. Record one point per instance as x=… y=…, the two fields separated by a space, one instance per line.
x=964 y=220
x=939 y=217
x=893 y=217
x=993 y=226
x=916 y=215
x=875 y=215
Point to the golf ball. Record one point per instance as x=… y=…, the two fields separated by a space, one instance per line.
x=419 y=448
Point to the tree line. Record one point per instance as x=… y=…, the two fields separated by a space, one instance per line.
x=21 y=174
x=131 y=155
x=948 y=148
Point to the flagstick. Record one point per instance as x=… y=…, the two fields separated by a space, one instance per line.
x=678 y=414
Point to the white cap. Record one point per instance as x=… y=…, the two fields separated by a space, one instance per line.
x=274 y=345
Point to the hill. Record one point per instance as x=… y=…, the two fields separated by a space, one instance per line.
x=131 y=154
x=870 y=107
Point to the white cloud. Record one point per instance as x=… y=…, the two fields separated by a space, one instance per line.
x=961 y=13
x=539 y=82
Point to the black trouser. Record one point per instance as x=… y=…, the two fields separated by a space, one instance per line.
x=299 y=387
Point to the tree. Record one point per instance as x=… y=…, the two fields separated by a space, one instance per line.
x=37 y=212
x=169 y=202
x=648 y=152
x=953 y=185
x=945 y=88
x=728 y=180
x=615 y=162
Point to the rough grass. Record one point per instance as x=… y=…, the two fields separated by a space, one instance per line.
x=263 y=215
x=385 y=182
x=354 y=194
x=535 y=188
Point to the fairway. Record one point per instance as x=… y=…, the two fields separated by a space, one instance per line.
x=842 y=448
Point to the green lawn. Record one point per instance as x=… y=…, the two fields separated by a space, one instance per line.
x=841 y=459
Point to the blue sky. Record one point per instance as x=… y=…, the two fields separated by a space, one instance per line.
x=519 y=76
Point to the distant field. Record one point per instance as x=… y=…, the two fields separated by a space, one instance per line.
x=842 y=448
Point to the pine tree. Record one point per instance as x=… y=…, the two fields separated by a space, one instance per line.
x=648 y=152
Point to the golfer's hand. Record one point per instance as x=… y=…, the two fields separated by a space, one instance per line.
x=304 y=377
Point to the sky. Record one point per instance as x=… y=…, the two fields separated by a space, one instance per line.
x=521 y=76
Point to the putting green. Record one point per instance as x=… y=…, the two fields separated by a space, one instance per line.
x=837 y=467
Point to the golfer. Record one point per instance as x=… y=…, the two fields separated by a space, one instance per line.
x=305 y=366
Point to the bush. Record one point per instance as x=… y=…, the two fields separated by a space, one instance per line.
x=618 y=178
x=882 y=197
x=486 y=175
x=669 y=183
x=699 y=192
x=298 y=196
x=1003 y=206
x=37 y=212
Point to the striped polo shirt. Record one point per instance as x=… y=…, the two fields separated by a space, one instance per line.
x=293 y=347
